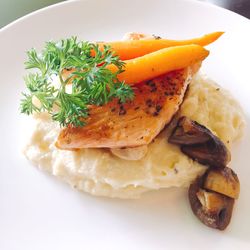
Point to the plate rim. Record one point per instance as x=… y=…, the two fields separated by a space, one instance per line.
x=69 y=2
x=19 y=24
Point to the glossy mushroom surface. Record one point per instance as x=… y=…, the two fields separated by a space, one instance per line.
x=212 y=209
x=189 y=132
x=199 y=143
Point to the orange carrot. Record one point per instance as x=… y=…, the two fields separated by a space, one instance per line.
x=135 y=48
x=160 y=62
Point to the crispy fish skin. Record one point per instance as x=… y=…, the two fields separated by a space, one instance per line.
x=135 y=123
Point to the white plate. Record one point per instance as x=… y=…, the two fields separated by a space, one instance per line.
x=39 y=212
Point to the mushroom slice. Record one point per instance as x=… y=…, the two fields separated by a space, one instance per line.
x=199 y=143
x=210 y=201
x=213 y=209
x=130 y=154
x=223 y=181
x=213 y=153
x=189 y=132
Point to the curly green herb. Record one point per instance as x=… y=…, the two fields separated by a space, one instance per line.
x=92 y=82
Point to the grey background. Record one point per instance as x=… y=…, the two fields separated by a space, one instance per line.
x=10 y=10
x=239 y=6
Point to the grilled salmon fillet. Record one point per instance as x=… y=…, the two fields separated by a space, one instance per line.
x=135 y=123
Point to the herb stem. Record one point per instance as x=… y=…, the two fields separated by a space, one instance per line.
x=92 y=82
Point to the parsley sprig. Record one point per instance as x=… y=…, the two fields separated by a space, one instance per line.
x=92 y=82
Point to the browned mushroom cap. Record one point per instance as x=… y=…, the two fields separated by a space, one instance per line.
x=223 y=181
x=213 y=153
x=188 y=132
x=213 y=209
x=200 y=143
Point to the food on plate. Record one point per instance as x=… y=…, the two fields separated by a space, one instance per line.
x=223 y=181
x=134 y=123
x=157 y=63
x=131 y=154
x=200 y=143
x=212 y=195
x=137 y=45
x=212 y=208
x=120 y=127
x=100 y=172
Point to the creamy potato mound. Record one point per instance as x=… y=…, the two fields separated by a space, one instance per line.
x=99 y=172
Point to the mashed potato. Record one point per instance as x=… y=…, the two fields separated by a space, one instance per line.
x=99 y=172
